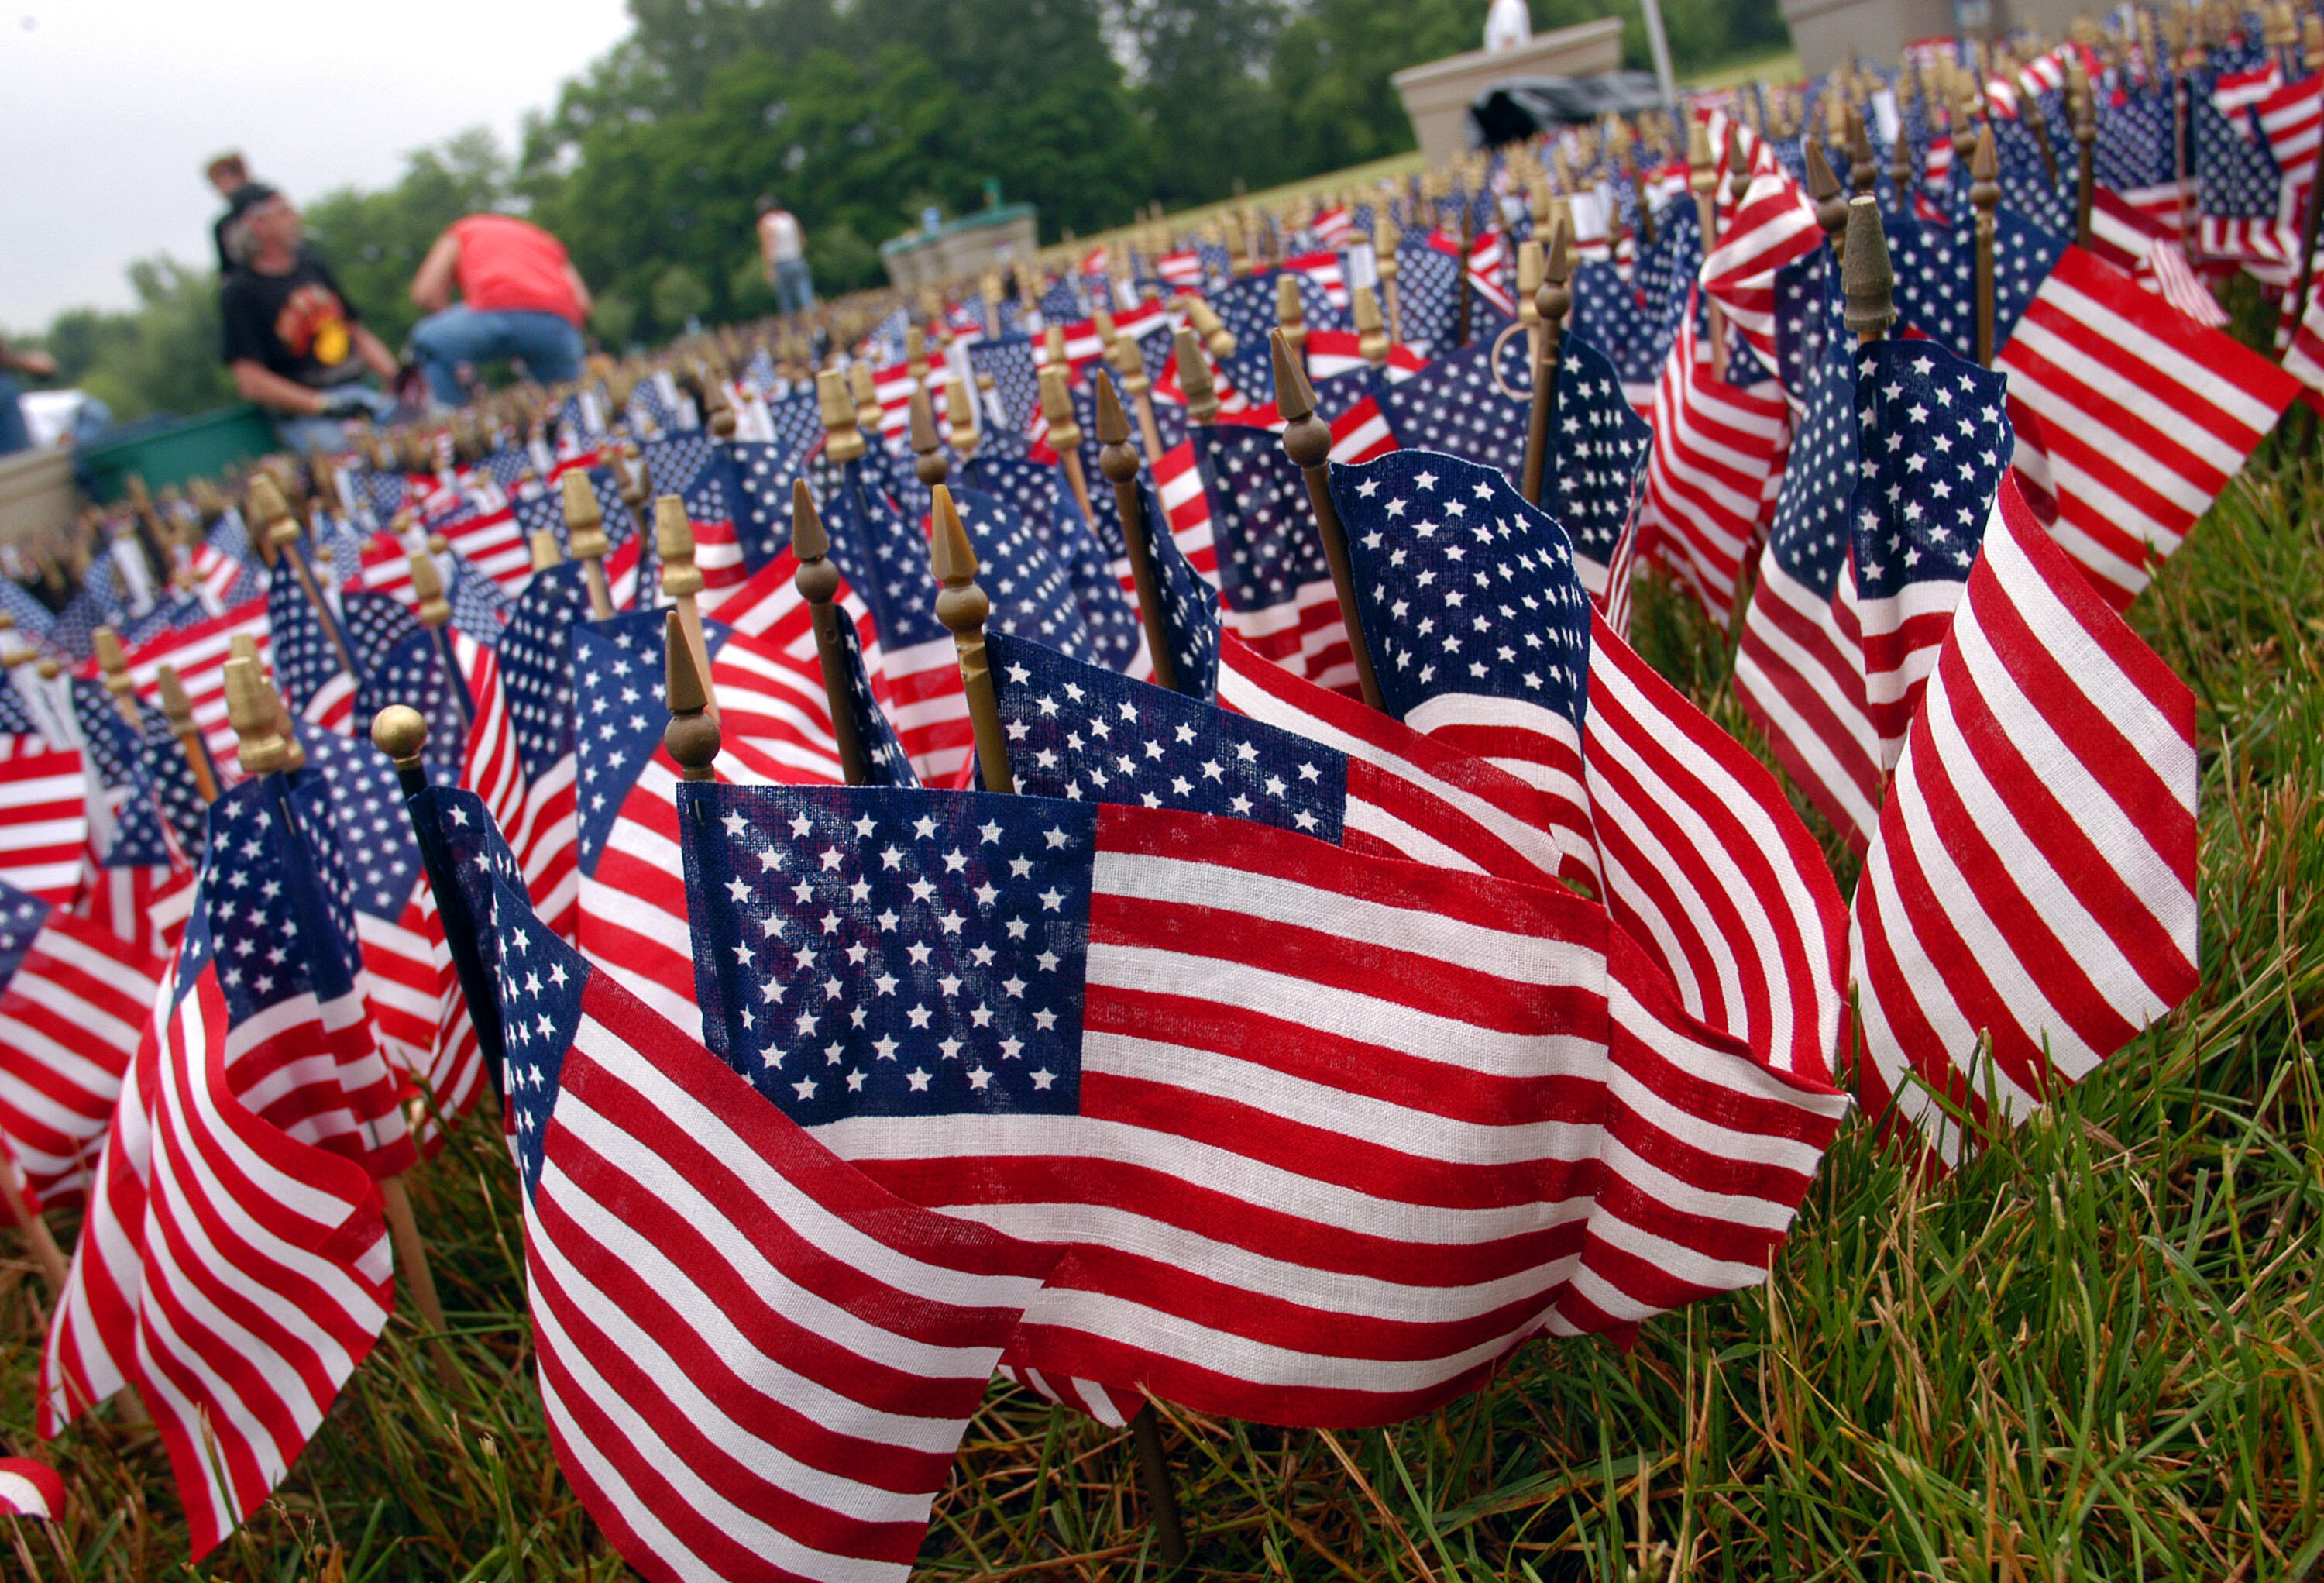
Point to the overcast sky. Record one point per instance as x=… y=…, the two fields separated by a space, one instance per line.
x=109 y=109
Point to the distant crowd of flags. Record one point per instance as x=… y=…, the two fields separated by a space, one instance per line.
x=1367 y=962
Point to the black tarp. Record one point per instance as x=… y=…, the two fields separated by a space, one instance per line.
x=1511 y=111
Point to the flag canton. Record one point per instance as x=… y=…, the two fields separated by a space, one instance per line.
x=535 y=665
x=1032 y=593
x=32 y=618
x=1809 y=535
x=479 y=607
x=885 y=762
x=1599 y=452
x=687 y=465
x=859 y=520
x=16 y=715
x=650 y=408
x=2137 y=146
x=1428 y=295
x=2024 y=255
x=1605 y=312
x=541 y=981
x=618 y=715
x=1463 y=586
x=1269 y=547
x=172 y=612
x=375 y=847
x=1061 y=302
x=2237 y=174
x=1934 y=441
x=375 y=623
x=887 y=952
x=1454 y=406
x=105 y=736
x=380 y=493
x=1082 y=733
x=22 y=916
x=171 y=776
x=1016 y=382
x=268 y=924
x=1030 y=486
x=413 y=673
x=73 y=632
x=303 y=657
x=506 y=467
x=1107 y=611
x=1190 y=606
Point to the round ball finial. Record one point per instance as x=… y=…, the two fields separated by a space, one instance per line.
x=401 y=732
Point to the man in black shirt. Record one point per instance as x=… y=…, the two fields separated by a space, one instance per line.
x=293 y=340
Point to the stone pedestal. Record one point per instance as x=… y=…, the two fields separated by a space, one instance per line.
x=1437 y=95
x=962 y=249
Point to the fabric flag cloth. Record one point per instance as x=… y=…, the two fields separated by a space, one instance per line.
x=43 y=822
x=135 y=879
x=631 y=905
x=2028 y=905
x=2136 y=153
x=31 y=1489
x=1108 y=612
x=1134 y=1031
x=234 y=1263
x=198 y=654
x=755 y=1364
x=1718 y=449
x=309 y=656
x=694 y=467
x=73 y=1003
x=1774 y=225
x=2151 y=253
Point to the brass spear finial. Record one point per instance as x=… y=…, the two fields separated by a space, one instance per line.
x=928 y=463
x=842 y=436
x=1867 y=281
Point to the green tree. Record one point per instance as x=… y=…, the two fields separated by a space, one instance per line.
x=159 y=357
x=1203 y=93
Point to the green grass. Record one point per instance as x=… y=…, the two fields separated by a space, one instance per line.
x=2097 y=1353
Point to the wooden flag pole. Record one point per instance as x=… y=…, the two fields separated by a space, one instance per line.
x=1551 y=299
x=2083 y=110
x=1867 y=283
x=1118 y=459
x=434 y=613
x=271 y=515
x=179 y=711
x=681 y=581
x=584 y=531
x=963 y=606
x=1308 y=441
x=2029 y=110
x=692 y=733
x=2311 y=225
x=1064 y=433
x=1830 y=202
x=115 y=666
x=1467 y=289
x=1386 y=240
x=1128 y=365
x=929 y=465
x=817 y=582
x=960 y=419
x=54 y=1267
x=1984 y=192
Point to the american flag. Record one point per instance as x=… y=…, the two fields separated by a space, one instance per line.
x=488 y=531
x=653 y=408
x=2029 y=903
x=2144 y=414
x=535 y=659
x=2242 y=191
x=1274 y=584
x=1014 y=402
x=750 y=1357
x=1318 y=1000
x=198 y=654
x=43 y=822
x=2151 y=253
x=1774 y=224
x=31 y=617
x=1718 y=452
x=2235 y=91
x=2291 y=119
x=633 y=888
x=1333 y=355
x=1479 y=628
x=1798 y=663
x=73 y=1002
x=93 y=604
x=1455 y=405
x=135 y=879
x=694 y=467
x=2136 y=153
x=1429 y=297
x=234 y=1266
x=170 y=775
x=1109 y=614
x=1594 y=475
x=306 y=659
x=2303 y=357
x=1328 y=274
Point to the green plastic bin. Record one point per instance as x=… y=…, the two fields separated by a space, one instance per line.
x=199 y=447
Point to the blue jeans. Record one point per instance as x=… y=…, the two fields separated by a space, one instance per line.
x=328 y=436
x=444 y=342
x=794 y=287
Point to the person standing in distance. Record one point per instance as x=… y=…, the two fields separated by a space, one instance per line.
x=1508 y=24
x=782 y=247
x=295 y=343
x=520 y=297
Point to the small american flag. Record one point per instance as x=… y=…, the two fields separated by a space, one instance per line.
x=258 y=1088
x=43 y=821
x=306 y=657
x=2136 y=152
x=2028 y=905
x=2242 y=193
x=31 y=1489
x=1021 y=953
x=1454 y=404
x=73 y=1003
x=696 y=467
x=750 y=1356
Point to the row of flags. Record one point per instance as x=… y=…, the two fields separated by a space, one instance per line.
x=1264 y=1051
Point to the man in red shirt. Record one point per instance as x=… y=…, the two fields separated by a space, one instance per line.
x=520 y=297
